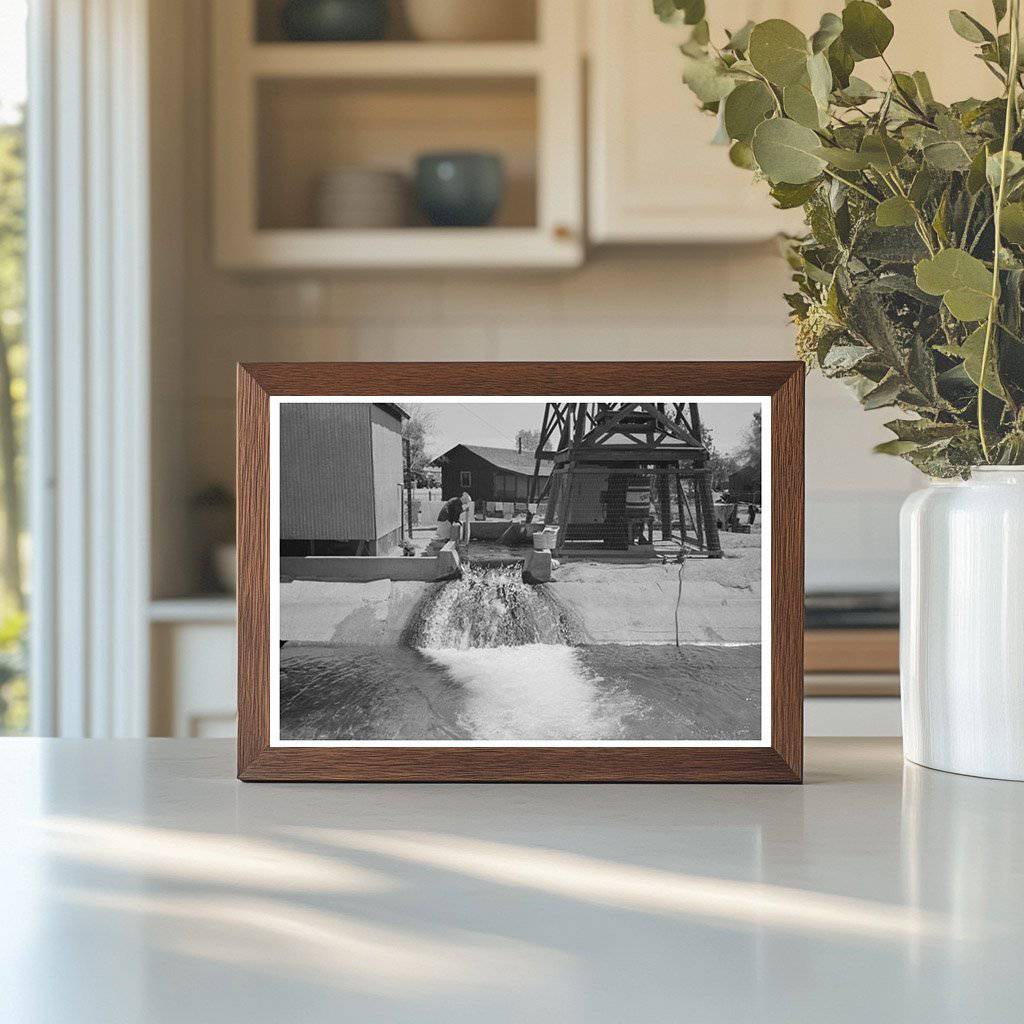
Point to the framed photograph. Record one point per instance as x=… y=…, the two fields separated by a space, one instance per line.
x=578 y=572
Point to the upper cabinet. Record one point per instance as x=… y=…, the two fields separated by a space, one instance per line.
x=654 y=175
x=316 y=143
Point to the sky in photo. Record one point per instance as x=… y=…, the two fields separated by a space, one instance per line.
x=495 y=423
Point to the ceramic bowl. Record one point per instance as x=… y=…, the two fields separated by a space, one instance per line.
x=471 y=20
x=460 y=189
x=333 y=21
x=359 y=197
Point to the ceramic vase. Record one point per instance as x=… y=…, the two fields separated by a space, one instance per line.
x=962 y=624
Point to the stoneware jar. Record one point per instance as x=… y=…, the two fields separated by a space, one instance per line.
x=962 y=624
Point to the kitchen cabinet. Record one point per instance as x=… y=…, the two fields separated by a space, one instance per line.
x=653 y=175
x=288 y=114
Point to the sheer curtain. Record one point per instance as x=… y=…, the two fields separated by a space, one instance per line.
x=88 y=335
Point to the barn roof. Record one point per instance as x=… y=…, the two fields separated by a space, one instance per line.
x=508 y=460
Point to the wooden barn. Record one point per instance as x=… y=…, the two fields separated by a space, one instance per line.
x=489 y=474
x=341 y=474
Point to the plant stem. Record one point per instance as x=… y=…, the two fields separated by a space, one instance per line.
x=907 y=99
x=853 y=185
x=1011 y=109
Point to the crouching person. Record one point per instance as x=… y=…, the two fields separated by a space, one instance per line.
x=452 y=524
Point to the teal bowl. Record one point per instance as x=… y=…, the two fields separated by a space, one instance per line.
x=460 y=190
x=334 y=21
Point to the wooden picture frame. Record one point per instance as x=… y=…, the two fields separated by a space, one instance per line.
x=779 y=759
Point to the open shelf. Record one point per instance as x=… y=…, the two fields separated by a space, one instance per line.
x=286 y=114
x=520 y=24
x=309 y=127
x=390 y=60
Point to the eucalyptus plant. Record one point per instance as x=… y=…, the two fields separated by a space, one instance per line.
x=910 y=278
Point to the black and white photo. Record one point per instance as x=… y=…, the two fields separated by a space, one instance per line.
x=517 y=571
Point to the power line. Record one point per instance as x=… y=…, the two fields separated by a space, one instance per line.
x=497 y=430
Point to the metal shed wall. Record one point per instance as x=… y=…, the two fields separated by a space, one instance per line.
x=327 y=475
x=388 y=471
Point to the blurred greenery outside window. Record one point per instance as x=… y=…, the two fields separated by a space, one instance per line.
x=14 y=538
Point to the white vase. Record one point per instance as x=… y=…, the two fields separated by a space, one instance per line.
x=962 y=624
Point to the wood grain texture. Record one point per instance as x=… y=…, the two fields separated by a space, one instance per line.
x=780 y=762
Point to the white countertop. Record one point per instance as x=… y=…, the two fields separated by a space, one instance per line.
x=140 y=882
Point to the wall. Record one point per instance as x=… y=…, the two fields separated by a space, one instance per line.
x=388 y=472
x=327 y=474
x=670 y=303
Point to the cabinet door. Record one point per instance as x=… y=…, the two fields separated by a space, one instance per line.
x=654 y=177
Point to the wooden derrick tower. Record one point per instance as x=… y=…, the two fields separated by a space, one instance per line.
x=610 y=460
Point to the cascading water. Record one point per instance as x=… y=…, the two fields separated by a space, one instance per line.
x=506 y=645
x=489 y=607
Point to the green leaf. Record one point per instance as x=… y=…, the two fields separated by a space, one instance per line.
x=969 y=28
x=701 y=34
x=971 y=351
x=745 y=108
x=883 y=152
x=885 y=394
x=999 y=9
x=924 y=88
x=866 y=29
x=801 y=106
x=963 y=281
x=905 y=84
x=857 y=91
x=690 y=12
x=947 y=156
x=841 y=63
x=787 y=151
x=1012 y=224
x=922 y=185
x=922 y=431
x=788 y=196
x=707 y=78
x=993 y=167
x=976 y=173
x=666 y=10
x=939 y=220
x=739 y=41
x=819 y=74
x=829 y=30
x=890 y=245
x=844 y=159
x=741 y=155
x=868 y=319
x=895 y=212
x=921 y=370
x=895 y=447
x=779 y=51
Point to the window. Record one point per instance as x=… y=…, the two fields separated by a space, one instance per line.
x=465 y=478
x=14 y=696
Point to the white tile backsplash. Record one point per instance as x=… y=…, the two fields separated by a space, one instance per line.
x=714 y=303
